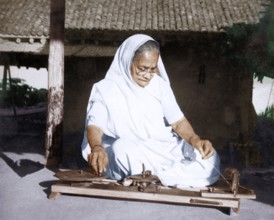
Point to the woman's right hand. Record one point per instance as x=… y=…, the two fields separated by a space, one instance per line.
x=98 y=160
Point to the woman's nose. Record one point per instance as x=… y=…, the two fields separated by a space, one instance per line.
x=147 y=75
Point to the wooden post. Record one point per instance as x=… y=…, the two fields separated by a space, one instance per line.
x=5 y=79
x=54 y=129
x=4 y=84
x=7 y=71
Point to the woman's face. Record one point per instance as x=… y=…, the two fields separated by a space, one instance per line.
x=144 y=67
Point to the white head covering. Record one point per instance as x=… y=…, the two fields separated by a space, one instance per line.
x=120 y=67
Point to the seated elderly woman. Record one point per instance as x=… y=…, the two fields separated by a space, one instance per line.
x=133 y=119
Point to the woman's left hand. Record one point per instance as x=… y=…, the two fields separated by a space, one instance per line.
x=205 y=148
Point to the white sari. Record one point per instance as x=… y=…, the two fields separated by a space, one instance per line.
x=136 y=124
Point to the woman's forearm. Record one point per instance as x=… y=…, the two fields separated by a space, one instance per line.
x=184 y=129
x=94 y=136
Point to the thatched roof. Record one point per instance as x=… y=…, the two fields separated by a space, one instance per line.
x=28 y=21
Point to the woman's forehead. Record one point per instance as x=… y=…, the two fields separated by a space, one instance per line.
x=147 y=57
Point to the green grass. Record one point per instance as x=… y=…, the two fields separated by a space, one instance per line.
x=268 y=113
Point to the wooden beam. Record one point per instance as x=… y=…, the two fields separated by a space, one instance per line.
x=54 y=129
x=183 y=197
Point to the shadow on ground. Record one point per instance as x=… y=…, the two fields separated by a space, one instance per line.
x=22 y=167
